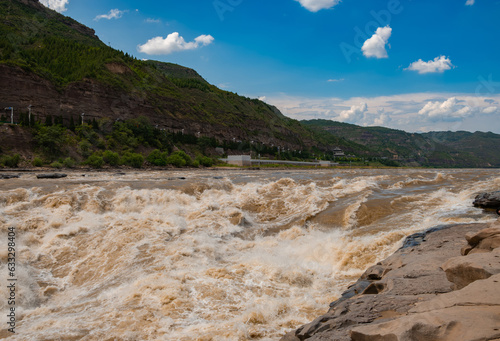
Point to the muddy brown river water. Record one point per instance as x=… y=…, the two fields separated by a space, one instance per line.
x=219 y=255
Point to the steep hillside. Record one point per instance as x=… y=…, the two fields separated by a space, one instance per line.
x=438 y=149
x=483 y=146
x=61 y=68
x=383 y=141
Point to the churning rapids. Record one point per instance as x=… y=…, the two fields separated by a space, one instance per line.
x=220 y=255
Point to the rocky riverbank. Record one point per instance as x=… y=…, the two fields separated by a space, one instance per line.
x=443 y=285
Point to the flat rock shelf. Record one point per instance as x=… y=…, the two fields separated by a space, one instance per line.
x=442 y=286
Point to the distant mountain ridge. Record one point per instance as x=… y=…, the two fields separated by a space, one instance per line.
x=484 y=146
x=434 y=149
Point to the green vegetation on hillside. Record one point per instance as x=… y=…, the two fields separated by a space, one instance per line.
x=100 y=143
x=439 y=149
x=37 y=39
x=62 y=51
x=137 y=143
x=134 y=142
x=478 y=146
x=68 y=55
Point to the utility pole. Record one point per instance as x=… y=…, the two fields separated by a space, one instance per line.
x=11 y=114
x=29 y=115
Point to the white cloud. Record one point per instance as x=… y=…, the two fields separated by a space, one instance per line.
x=203 y=40
x=375 y=46
x=113 y=14
x=262 y=98
x=490 y=110
x=335 y=80
x=355 y=114
x=470 y=2
x=316 y=5
x=153 y=21
x=382 y=119
x=56 y=5
x=173 y=43
x=449 y=110
x=438 y=65
x=412 y=112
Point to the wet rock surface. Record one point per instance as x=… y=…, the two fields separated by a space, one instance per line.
x=488 y=200
x=51 y=176
x=428 y=290
x=9 y=176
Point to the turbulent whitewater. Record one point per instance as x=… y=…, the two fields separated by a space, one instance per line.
x=219 y=255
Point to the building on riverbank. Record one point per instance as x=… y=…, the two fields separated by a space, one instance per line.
x=247 y=161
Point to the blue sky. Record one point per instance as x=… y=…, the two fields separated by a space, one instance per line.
x=416 y=65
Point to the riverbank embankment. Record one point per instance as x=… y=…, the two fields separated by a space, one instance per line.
x=442 y=286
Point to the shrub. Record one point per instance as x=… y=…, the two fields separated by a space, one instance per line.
x=389 y=163
x=157 y=158
x=50 y=139
x=176 y=160
x=56 y=164
x=85 y=148
x=111 y=158
x=11 y=161
x=69 y=162
x=101 y=143
x=95 y=161
x=183 y=155
x=205 y=161
x=37 y=162
x=86 y=132
x=133 y=159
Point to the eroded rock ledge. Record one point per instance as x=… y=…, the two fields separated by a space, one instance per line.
x=444 y=286
x=487 y=200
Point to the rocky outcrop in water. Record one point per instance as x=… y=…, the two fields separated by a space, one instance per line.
x=487 y=200
x=51 y=176
x=435 y=289
x=8 y=176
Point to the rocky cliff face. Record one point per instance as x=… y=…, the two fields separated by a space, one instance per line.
x=21 y=88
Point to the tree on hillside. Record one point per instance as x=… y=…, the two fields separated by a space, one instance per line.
x=50 y=139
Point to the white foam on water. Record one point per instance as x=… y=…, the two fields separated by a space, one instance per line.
x=215 y=259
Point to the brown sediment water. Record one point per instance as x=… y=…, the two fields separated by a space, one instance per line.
x=225 y=255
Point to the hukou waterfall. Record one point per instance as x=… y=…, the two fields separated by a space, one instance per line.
x=209 y=254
